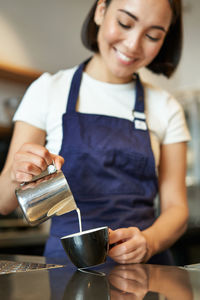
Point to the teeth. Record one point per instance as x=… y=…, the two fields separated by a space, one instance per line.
x=124 y=57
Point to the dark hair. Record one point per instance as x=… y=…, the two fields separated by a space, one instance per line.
x=169 y=56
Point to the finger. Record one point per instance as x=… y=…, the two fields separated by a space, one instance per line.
x=122 y=234
x=121 y=295
x=135 y=256
x=125 y=254
x=58 y=161
x=38 y=150
x=122 y=248
x=130 y=268
x=128 y=285
x=132 y=272
x=136 y=240
x=22 y=177
x=24 y=172
x=127 y=247
x=29 y=162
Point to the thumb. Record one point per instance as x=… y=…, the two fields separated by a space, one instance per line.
x=58 y=161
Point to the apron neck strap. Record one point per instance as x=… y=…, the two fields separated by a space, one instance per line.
x=74 y=89
x=139 y=101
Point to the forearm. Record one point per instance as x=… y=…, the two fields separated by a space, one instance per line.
x=8 y=200
x=169 y=226
x=172 y=221
x=23 y=133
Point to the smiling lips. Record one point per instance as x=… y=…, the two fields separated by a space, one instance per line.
x=125 y=59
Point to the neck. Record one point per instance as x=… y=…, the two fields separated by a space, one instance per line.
x=97 y=69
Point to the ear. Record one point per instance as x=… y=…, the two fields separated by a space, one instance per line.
x=100 y=12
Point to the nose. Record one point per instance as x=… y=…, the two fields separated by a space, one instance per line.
x=133 y=43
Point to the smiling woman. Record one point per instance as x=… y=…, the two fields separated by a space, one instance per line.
x=168 y=58
x=134 y=37
x=119 y=141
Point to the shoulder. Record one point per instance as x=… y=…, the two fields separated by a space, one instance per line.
x=161 y=103
x=48 y=85
x=52 y=80
x=165 y=115
x=45 y=97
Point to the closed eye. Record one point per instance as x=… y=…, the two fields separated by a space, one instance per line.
x=152 y=38
x=124 y=26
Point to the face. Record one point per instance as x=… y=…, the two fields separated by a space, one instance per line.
x=131 y=33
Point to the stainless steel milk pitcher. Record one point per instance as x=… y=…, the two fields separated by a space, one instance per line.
x=46 y=195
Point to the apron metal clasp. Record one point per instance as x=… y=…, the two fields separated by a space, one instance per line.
x=139 y=120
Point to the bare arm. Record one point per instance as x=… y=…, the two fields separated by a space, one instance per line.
x=172 y=222
x=27 y=157
x=136 y=246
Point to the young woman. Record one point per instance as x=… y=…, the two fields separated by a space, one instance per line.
x=122 y=140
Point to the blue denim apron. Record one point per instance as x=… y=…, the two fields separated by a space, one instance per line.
x=110 y=168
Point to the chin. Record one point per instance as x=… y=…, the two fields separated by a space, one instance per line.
x=124 y=71
x=123 y=76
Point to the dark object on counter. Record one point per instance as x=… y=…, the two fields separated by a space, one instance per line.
x=88 y=248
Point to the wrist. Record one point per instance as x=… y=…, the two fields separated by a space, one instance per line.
x=150 y=247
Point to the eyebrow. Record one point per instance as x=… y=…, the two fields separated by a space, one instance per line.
x=129 y=14
x=137 y=19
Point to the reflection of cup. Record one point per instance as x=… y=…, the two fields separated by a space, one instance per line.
x=48 y=194
x=87 y=248
x=87 y=285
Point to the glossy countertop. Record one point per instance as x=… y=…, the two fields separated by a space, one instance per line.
x=34 y=277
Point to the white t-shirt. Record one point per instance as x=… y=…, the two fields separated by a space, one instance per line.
x=45 y=101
